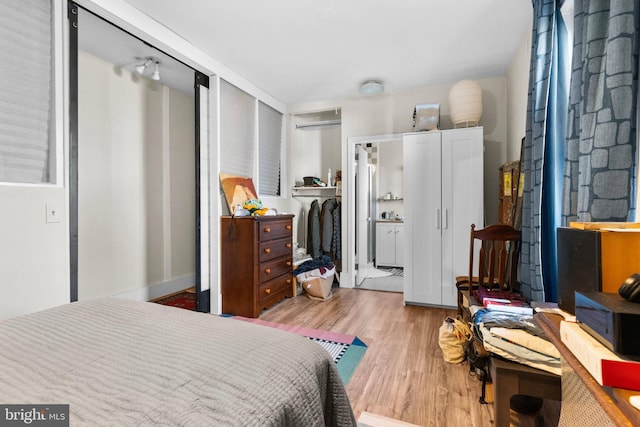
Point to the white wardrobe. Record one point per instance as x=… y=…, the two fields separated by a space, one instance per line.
x=444 y=192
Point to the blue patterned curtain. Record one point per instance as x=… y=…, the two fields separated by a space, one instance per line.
x=600 y=170
x=544 y=151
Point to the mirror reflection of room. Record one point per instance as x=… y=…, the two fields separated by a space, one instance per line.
x=381 y=209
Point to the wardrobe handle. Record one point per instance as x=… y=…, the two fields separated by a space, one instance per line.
x=267 y=250
x=438 y=219
x=267 y=229
x=446 y=219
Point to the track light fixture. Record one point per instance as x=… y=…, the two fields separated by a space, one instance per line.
x=156 y=72
x=148 y=61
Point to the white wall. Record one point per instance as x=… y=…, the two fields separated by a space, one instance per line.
x=136 y=182
x=518 y=87
x=34 y=254
x=393 y=113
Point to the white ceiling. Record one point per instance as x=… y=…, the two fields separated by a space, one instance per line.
x=302 y=50
x=102 y=39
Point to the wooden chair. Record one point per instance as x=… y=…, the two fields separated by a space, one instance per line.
x=497 y=263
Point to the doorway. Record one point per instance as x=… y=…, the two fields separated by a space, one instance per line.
x=134 y=158
x=374 y=204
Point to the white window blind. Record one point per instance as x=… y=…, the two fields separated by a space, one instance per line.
x=269 y=147
x=237 y=130
x=26 y=85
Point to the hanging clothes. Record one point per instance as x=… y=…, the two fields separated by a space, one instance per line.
x=326 y=225
x=336 y=243
x=313 y=231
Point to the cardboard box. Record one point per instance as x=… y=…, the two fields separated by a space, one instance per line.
x=606 y=367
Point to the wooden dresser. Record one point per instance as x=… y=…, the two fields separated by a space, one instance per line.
x=257 y=259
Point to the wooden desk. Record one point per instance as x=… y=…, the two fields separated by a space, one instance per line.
x=511 y=378
x=614 y=401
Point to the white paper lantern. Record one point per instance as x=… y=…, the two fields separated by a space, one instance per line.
x=465 y=103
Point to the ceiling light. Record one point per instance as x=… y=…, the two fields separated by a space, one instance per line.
x=142 y=68
x=156 y=72
x=371 y=88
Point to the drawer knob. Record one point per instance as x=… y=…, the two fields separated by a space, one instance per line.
x=267 y=229
x=288 y=226
x=288 y=245
x=267 y=291
x=267 y=270
x=288 y=263
x=288 y=280
x=267 y=250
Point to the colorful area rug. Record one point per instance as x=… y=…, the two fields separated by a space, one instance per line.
x=346 y=350
x=186 y=300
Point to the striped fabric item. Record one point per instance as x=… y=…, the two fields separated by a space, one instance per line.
x=335 y=349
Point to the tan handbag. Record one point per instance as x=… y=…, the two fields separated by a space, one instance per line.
x=453 y=337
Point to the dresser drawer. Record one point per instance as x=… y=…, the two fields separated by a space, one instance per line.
x=273 y=288
x=275 y=268
x=270 y=230
x=274 y=249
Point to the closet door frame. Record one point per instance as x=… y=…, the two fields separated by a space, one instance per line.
x=202 y=184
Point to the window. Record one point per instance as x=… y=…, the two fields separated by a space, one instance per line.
x=237 y=131
x=269 y=148
x=26 y=91
x=251 y=135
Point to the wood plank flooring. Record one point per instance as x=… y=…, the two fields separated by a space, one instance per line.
x=402 y=375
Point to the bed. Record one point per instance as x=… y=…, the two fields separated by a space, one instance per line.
x=120 y=362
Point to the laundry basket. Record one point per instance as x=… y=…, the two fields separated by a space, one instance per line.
x=317 y=285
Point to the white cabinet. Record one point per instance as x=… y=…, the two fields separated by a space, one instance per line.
x=443 y=176
x=389 y=244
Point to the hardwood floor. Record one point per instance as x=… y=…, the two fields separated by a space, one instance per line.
x=402 y=375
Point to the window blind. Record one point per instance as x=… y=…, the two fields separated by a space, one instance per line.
x=269 y=148
x=237 y=130
x=26 y=87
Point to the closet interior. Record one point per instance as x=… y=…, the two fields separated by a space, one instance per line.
x=316 y=146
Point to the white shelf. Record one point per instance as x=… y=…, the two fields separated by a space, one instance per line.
x=314 y=192
x=313 y=188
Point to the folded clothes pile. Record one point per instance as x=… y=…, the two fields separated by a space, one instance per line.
x=518 y=338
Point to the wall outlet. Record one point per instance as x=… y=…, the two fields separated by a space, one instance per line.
x=54 y=214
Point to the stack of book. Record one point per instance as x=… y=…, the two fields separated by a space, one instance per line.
x=506 y=305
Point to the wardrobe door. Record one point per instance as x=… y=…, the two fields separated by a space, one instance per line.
x=423 y=221
x=462 y=203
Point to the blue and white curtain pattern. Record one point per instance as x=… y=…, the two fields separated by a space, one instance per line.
x=543 y=148
x=600 y=171
x=591 y=131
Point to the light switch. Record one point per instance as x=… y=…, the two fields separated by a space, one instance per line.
x=53 y=212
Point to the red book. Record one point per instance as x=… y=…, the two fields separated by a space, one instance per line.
x=606 y=367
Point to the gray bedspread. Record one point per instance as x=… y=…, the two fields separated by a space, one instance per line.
x=125 y=363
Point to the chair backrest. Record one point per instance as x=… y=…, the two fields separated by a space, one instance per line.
x=498 y=256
